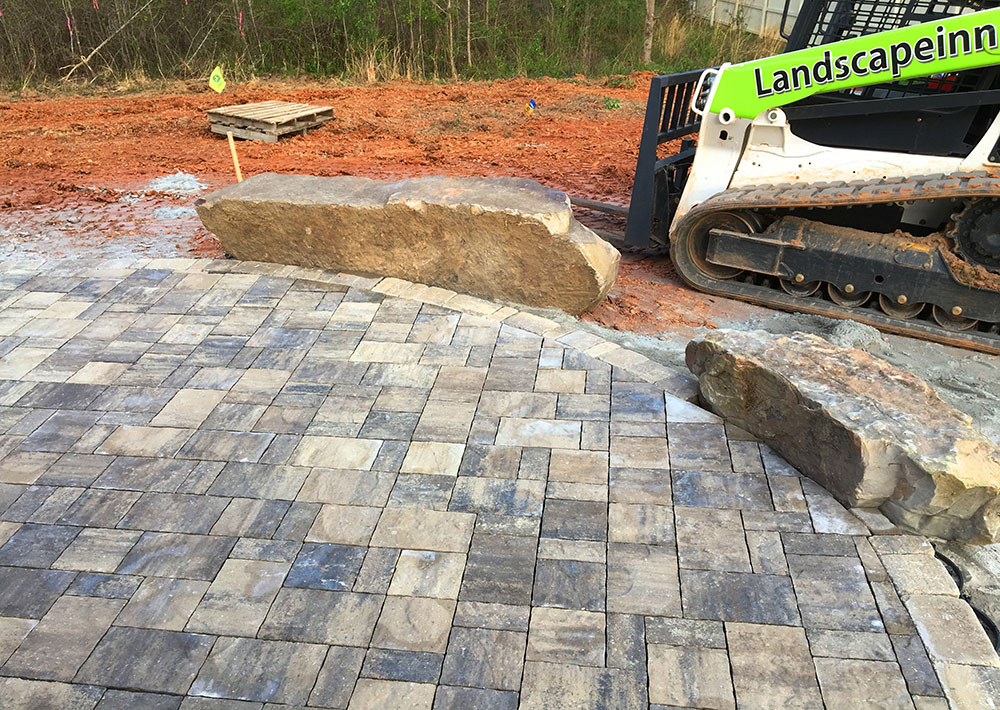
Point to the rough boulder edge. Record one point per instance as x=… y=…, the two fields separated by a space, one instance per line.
x=503 y=238
x=871 y=434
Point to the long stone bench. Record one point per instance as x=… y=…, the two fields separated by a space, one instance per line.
x=502 y=238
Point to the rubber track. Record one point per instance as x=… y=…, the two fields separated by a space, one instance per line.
x=957 y=186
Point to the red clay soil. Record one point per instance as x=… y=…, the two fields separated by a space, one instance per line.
x=81 y=166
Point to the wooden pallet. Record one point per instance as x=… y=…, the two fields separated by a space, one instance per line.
x=268 y=120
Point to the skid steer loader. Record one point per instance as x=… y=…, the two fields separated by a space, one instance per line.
x=856 y=175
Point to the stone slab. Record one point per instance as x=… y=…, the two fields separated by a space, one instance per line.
x=506 y=238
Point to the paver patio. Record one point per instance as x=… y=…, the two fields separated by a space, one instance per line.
x=233 y=485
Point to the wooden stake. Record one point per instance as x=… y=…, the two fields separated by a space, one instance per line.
x=236 y=160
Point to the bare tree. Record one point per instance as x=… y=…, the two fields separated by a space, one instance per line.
x=647 y=40
x=468 y=31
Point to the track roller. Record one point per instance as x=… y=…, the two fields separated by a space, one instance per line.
x=847 y=300
x=903 y=311
x=800 y=290
x=954 y=323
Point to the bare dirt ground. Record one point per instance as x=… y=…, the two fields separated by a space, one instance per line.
x=117 y=174
x=67 y=163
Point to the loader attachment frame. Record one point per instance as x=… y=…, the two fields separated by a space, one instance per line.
x=668 y=117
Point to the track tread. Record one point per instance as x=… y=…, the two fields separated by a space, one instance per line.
x=957 y=186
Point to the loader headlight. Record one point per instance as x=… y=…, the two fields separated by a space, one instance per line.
x=705 y=86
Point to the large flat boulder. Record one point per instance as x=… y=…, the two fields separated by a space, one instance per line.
x=504 y=238
x=871 y=434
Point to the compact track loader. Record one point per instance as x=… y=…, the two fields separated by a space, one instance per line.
x=856 y=175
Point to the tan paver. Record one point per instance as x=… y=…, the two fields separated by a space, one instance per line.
x=424 y=530
x=344 y=524
x=433 y=457
x=239 y=598
x=424 y=573
x=690 y=677
x=414 y=624
x=188 y=408
x=336 y=452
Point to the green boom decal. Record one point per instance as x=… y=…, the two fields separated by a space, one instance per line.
x=961 y=42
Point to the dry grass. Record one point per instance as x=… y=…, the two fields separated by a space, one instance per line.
x=692 y=42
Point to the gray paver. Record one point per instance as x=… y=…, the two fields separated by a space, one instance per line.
x=484 y=658
x=266 y=671
x=146 y=659
x=319 y=616
x=60 y=643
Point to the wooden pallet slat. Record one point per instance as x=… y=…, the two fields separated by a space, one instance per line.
x=267 y=120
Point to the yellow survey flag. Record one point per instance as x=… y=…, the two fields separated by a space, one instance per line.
x=217 y=82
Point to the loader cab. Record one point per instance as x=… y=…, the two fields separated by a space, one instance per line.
x=943 y=115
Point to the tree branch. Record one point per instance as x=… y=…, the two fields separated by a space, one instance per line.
x=86 y=60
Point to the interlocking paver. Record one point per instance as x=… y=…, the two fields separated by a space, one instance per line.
x=424 y=530
x=174 y=512
x=408 y=666
x=711 y=539
x=146 y=659
x=948 y=629
x=333 y=567
x=60 y=643
x=12 y=632
x=455 y=698
x=22 y=694
x=336 y=452
x=690 y=676
x=548 y=686
x=344 y=524
x=642 y=579
x=862 y=645
x=163 y=603
x=250 y=517
x=484 y=658
x=372 y=694
x=320 y=616
x=239 y=598
x=504 y=496
x=144 y=474
x=737 y=596
x=566 y=636
x=177 y=555
x=337 y=677
x=265 y=671
x=258 y=481
x=36 y=545
x=97 y=550
x=229 y=486
x=640 y=485
x=847 y=605
x=569 y=584
x=28 y=593
x=915 y=665
x=771 y=667
x=744 y=491
x=424 y=573
x=154 y=442
x=108 y=586
x=575 y=520
x=414 y=624
x=851 y=683
x=500 y=568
